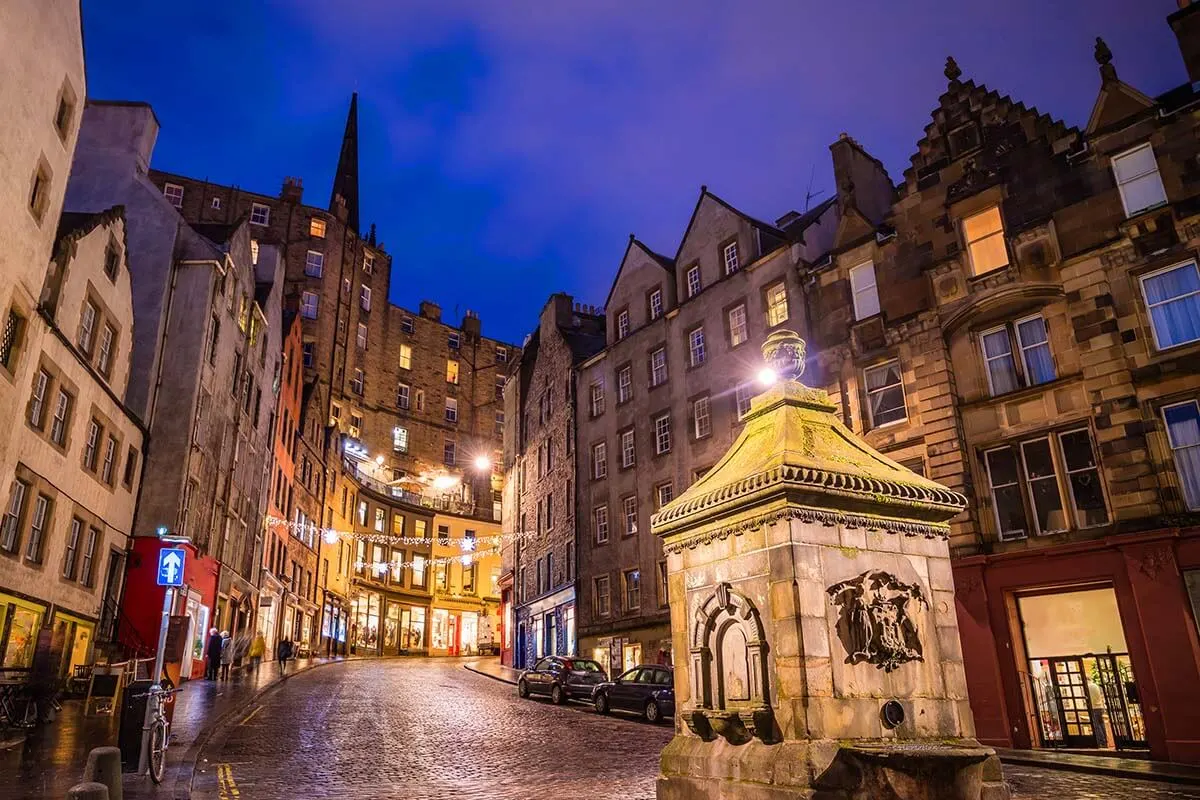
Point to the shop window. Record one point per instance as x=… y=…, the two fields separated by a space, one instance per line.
x=1173 y=300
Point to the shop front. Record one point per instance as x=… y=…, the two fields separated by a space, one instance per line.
x=383 y=625
x=454 y=632
x=71 y=642
x=546 y=627
x=624 y=652
x=1091 y=646
x=21 y=621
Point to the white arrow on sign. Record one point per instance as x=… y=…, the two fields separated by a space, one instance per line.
x=172 y=563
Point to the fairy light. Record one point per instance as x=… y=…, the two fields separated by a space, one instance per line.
x=332 y=535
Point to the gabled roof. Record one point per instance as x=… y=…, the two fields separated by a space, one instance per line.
x=1117 y=101
x=583 y=344
x=77 y=224
x=765 y=227
x=795 y=229
x=666 y=263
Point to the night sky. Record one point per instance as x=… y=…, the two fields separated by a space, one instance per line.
x=508 y=147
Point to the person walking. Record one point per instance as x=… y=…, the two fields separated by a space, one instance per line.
x=226 y=655
x=258 y=649
x=283 y=653
x=213 y=651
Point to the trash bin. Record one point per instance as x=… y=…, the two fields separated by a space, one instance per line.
x=133 y=717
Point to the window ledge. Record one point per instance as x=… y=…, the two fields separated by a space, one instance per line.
x=1024 y=392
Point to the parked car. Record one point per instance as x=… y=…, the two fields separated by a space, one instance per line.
x=648 y=690
x=561 y=678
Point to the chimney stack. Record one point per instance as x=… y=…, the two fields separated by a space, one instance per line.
x=292 y=191
x=1186 y=24
x=431 y=311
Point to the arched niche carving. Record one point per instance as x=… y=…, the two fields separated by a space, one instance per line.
x=729 y=670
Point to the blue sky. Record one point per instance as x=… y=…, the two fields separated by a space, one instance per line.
x=507 y=149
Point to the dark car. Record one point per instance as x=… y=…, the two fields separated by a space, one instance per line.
x=561 y=678
x=648 y=690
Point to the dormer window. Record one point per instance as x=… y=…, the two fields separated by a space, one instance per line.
x=984 y=235
x=1141 y=187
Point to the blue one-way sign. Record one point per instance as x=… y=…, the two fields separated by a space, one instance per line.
x=170 y=566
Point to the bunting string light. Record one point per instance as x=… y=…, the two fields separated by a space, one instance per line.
x=331 y=535
x=425 y=563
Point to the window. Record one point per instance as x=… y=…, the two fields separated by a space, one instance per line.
x=1173 y=300
x=8 y=339
x=64 y=111
x=453 y=340
x=701 y=417
x=633 y=590
x=87 y=327
x=380 y=522
x=316 y=227
x=599 y=460
x=451 y=409
x=174 y=194
x=664 y=493
x=91 y=444
x=1036 y=365
x=663 y=597
x=629 y=512
x=451 y=371
x=419 y=400
x=37 y=401
x=406 y=324
x=693 y=281
x=449 y=456
x=400 y=439
x=37 y=529
x=131 y=457
x=405 y=356
x=362 y=512
x=369 y=265
x=110 y=460
x=864 y=290
x=1183 y=434
x=9 y=528
x=741 y=398
x=600 y=524
x=1083 y=478
x=308 y=353
x=730 y=257
x=656 y=304
x=357 y=382
x=662 y=434
x=498 y=426
x=696 y=354
x=112 y=261
x=314 y=264
x=1141 y=187
x=624 y=384
x=597 y=398
x=58 y=424
x=623 y=324
x=501 y=354
x=500 y=387
x=215 y=203
x=254 y=251
x=1006 y=493
x=603 y=597
x=658 y=367
x=402 y=396
x=39 y=193
x=364 y=297
x=89 y=556
x=628 y=451
x=308 y=305
x=71 y=556
x=777 y=304
x=885 y=394
x=549 y=511
x=986 y=247
x=356 y=422
x=418 y=572
x=737 y=326
x=259 y=214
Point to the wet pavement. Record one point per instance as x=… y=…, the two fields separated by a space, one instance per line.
x=427 y=729
x=51 y=758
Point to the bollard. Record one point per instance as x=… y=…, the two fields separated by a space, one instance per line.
x=88 y=791
x=104 y=767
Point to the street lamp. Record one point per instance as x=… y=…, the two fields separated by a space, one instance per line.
x=767 y=376
x=483 y=463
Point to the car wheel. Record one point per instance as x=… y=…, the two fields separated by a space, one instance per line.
x=601 y=703
x=653 y=713
x=522 y=689
x=556 y=695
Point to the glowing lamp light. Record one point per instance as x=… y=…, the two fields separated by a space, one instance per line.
x=767 y=376
x=445 y=482
x=483 y=463
x=331 y=536
x=379 y=460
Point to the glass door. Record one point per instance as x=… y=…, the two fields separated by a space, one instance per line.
x=1074 y=705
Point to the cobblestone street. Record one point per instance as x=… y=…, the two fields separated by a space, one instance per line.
x=429 y=729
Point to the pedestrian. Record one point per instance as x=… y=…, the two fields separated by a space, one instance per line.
x=258 y=649
x=213 y=651
x=226 y=655
x=283 y=653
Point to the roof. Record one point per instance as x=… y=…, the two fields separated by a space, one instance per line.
x=664 y=262
x=583 y=344
x=77 y=224
x=215 y=232
x=795 y=229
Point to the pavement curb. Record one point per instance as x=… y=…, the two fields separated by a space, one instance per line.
x=187 y=765
x=1109 y=770
x=501 y=678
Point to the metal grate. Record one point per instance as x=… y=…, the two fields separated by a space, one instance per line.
x=8 y=340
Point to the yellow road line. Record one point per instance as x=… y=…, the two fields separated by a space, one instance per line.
x=228 y=788
x=250 y=715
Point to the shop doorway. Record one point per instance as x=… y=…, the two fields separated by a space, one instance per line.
x=1079 y=678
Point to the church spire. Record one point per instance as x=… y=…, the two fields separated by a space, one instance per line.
x=345 y=180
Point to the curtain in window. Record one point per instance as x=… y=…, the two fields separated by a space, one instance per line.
x=1036 y=348
x=1001 y=370
x=1183 y=431
x=1174 y=300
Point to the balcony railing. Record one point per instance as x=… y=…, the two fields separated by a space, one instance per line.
x=443 y=503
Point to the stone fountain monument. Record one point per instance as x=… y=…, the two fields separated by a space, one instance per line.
x=813 y=622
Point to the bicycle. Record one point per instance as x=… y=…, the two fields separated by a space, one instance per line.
x=18 y=709
x=159 y=730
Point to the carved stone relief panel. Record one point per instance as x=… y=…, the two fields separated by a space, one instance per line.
x=876 y=619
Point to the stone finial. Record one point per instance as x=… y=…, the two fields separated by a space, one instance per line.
x=1104 y=56
x=952 y=72
x=784 y=353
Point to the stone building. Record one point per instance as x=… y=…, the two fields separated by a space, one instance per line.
x=1021 y=326
x=422 y=392
x=664 y=399
x=466 y=586
x=205 y=351
x=538 y=590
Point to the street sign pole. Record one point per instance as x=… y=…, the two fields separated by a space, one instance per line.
x=168 y=607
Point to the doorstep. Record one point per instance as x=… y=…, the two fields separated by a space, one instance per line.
x=1114 y=765
x=492 y=668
